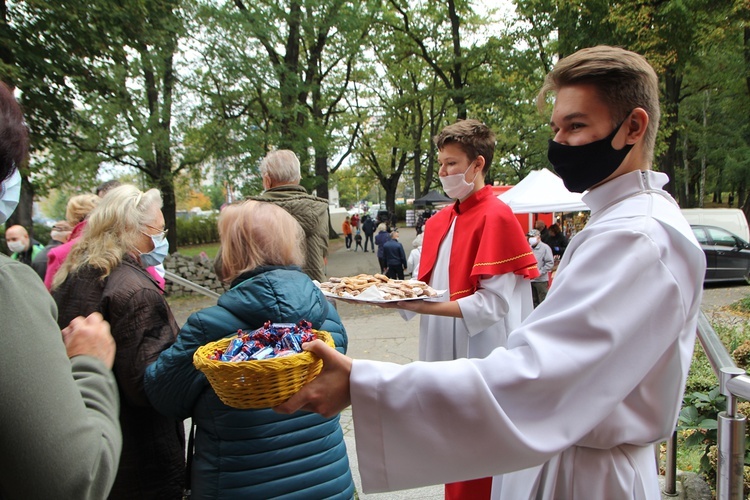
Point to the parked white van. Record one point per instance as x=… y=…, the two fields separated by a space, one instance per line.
x=731 y=219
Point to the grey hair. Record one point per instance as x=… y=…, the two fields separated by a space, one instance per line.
x=281 y=167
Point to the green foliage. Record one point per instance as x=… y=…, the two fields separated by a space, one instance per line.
x=703 y=401
x=197 y=230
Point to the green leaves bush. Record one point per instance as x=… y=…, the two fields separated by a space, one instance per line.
x=197 y=230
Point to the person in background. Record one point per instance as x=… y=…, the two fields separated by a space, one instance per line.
x=357 y=240
x=543 y=231
x=412 y=263
x=76 y=211
x=381 y=238
x=545 y=262
x=355 y=222
x=59 y=234
x=105 y=272
x=395 y=257
x=254 y=453
x=557 y=241
x=106 y=186
x=281 y=175
x=595 y=375
x=60 y=435
x=368 y=227
x=24 y=248
x=346 y=228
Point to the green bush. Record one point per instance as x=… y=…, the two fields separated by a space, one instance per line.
x=197 y=230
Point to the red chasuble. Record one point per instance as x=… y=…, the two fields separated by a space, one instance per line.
x=487 y=240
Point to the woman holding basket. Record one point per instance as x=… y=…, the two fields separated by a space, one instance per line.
x=254 y=453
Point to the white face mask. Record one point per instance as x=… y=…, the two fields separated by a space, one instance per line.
x=533 y=241
x=455 y=186
x=159 y=253
x=10 y=193
x=16 y=246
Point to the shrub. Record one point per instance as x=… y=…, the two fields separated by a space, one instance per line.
x=197 y=230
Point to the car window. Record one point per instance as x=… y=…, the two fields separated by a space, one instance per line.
x=721 y=238
x=700 y=235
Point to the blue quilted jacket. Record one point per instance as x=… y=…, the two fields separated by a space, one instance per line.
x=254 y=454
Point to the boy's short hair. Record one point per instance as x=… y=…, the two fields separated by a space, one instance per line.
x=473 y=137
x=624 y=80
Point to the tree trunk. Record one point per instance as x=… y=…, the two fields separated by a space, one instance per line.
x=668 y=160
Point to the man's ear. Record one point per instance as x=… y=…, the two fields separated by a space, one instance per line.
x=636 y=122
x=480 y=162
x=266 y=182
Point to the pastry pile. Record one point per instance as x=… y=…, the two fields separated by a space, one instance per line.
x=391 y=289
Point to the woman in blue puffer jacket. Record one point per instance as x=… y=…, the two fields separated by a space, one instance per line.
x=254 y=453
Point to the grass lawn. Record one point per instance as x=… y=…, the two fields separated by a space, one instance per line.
x=193 y=250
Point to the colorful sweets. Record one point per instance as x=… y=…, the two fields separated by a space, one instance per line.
x=273 y=340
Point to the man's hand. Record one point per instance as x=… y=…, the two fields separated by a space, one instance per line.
x=90 y=336
x=328 y=393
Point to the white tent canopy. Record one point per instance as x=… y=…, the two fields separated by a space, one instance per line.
x=540 y=192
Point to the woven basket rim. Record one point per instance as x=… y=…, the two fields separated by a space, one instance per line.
x=202 y=361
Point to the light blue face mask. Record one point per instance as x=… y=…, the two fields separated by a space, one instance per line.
x=160 y=251
x=10 y=193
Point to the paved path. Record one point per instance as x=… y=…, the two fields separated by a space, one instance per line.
x=381 y=334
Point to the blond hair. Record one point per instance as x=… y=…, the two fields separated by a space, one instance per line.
x=113 y=230
x=254 y=234
x=79 y=207
x=473 y=137
x=281 y=167
x=623 y=79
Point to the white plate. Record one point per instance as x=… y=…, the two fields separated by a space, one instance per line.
x=372 y=295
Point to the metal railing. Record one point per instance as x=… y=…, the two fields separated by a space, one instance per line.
x=733 y=383
x=189 y=284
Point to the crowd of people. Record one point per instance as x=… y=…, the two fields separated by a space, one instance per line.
x=525 y=390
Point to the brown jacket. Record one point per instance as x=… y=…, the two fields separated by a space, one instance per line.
x=152 y=463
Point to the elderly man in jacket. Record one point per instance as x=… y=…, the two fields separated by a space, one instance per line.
x=280 y=170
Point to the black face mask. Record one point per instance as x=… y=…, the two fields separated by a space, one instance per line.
x=581 y=167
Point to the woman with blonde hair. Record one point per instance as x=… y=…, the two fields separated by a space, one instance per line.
x=76 y=211
x=105 y=272
x=254 y=453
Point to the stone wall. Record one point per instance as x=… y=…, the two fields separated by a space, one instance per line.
x=198 y=269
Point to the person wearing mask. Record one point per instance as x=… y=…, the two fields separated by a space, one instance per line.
x=105 y=272
x=59 y=234
x=545 y=262
x=477 y=250
x=395 y=257
x=60 y=436
x=254 y=453
x=280 y=170
x=571 y=407
x=24 y=248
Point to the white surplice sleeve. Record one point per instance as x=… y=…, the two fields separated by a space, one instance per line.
x=496 y=297
x=599 y=363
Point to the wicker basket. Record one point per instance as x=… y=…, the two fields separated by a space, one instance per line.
x=262 y=383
